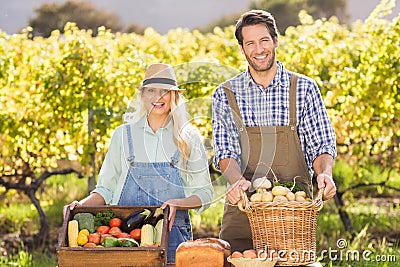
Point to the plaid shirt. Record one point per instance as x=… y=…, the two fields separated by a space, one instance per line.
x=270 y=107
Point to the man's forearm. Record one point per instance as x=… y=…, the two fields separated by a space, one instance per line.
x=230 y=170
x=323 y=164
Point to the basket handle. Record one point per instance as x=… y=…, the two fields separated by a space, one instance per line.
x=243 y=203
x=320 y=194
x=319 y=198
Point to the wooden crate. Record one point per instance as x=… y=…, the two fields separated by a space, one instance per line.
x=116 y=256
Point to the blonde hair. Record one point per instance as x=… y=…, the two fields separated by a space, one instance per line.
x=179 y=117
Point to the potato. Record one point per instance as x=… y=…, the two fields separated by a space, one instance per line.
x=300 y=198
x=267 y=197
x=255 y=197
x=301 y=193
x=290 y=196
x=250 y=253
x=280 y=190
x=280 y=198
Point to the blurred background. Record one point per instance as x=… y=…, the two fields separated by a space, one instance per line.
x=164 y=15
x=69 y=69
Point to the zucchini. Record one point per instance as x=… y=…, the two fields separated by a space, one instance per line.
x=147 y=235
x=73 y=233
x=158 y=232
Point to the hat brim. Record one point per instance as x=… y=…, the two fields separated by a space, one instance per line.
x=162 y=86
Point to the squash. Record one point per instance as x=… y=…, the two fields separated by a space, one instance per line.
x=73 y=233
x=158 y=232
x=147 y=235
x=82 y=239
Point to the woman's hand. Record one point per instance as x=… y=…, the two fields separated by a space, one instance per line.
x=233 y=192
x=173 y=204
x=71 y=206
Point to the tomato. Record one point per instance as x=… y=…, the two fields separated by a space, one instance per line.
x=103 y=229
x=135 y=234
x=123 y=235
x=94 y=238
x=90 y=245
x=115 y=231
x=115 y=222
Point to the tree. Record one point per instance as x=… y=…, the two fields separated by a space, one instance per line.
x=135 y=28
x=53 y=16
x=286 y=11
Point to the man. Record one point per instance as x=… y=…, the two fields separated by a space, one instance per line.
x=268 y=121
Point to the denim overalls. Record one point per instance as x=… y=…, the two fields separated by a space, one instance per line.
x=151 y=184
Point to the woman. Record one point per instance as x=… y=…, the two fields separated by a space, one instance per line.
x=157 y=159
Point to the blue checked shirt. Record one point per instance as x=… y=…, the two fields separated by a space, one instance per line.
x=270 y=107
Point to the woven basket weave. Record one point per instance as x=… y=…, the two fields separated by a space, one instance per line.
x=288 y=227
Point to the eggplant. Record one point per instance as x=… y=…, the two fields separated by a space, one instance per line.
x=135 y=220
x=155 y=216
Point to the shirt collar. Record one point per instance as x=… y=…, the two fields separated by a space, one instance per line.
x=281 y=78
x=143 y=123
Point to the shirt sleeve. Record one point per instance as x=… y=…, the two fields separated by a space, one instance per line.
x=110 y=171
x=225 y=134
x=196 y=178
x=316 y=126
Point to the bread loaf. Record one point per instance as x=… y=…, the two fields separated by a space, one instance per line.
x=203 y=252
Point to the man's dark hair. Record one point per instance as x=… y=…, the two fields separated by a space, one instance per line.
x=254 y=17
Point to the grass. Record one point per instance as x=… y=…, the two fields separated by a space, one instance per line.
x=374 y=221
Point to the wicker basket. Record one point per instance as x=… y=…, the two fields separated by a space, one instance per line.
x=289 y=228
x=246 y=262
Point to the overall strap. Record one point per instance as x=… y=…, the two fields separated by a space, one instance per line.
x=128 y=131
x=175 y=158
x=292 y=99
x=237 y=117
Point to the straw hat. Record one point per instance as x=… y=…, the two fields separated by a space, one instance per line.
x=160 y=76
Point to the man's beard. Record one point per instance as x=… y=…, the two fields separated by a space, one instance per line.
x=270 y=63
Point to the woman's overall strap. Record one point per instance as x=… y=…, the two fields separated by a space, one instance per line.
x=128 y=132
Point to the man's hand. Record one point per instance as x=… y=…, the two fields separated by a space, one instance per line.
x=233 y=192
x=325 y=180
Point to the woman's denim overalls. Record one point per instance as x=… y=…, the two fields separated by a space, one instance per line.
x=151 y=184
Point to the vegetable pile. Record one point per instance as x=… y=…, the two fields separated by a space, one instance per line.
x=105 y=229
x=287 y=191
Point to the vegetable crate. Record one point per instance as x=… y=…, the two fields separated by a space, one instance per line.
x=111 y=256
x=287 y=227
